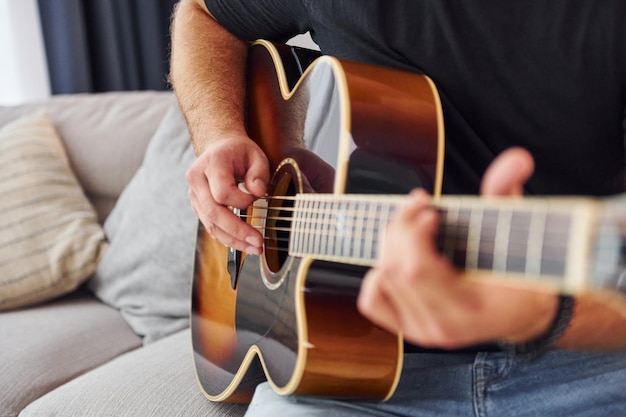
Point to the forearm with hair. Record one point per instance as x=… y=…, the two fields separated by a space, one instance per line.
x=207 y=74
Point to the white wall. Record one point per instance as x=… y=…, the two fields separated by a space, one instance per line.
x=23 y=69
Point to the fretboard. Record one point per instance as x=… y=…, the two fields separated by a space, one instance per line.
x=523 y=237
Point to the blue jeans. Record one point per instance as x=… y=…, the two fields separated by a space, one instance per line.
x=485 y=385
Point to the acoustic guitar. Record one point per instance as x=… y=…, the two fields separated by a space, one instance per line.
x=346 y=142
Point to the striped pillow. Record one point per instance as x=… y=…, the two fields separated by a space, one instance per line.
x=50 y=239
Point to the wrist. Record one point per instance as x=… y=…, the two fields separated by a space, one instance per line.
x=535 y=347
x=541 y=310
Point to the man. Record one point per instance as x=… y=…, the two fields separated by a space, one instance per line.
x=542 y=85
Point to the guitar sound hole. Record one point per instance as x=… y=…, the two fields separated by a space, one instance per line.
x=278 y=228
x=283 y=227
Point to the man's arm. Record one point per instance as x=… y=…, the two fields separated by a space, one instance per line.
x=208 y=77
x=416 y=291
x=207 y=73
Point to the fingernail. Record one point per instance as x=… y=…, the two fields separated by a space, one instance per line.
x=242 y=187
x=254 y=241
x=259 y=183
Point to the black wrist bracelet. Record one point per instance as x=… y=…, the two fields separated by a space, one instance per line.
x=536 y=348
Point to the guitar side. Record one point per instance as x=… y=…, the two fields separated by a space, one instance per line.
x=305 y=335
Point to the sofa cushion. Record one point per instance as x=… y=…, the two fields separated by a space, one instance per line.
x=152 y=230
x=156 y=380
x=105 y=136
x=50 y=238
x=45 y=346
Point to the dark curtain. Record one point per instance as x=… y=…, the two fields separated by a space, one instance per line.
x=106 y=45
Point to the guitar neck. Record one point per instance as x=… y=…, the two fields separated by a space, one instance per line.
x=525 y=238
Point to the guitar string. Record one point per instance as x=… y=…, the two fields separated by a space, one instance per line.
x=517 y=247
x=361 y=214
x=339 y=201
x=283 y=249
x=557 y=236
x=484 y=249
x=442 y=210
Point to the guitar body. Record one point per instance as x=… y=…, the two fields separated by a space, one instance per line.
x=340 y=127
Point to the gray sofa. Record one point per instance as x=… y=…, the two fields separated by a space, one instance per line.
x=114 y=340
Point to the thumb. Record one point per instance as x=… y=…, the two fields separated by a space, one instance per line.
x=257 y=176
x=507 y=173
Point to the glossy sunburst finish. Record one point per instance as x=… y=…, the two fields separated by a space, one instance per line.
x=341 y=127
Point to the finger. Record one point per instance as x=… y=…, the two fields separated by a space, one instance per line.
x=223 y=173
x=235 y=233
x=229 y=229
x=199 y=193
x=224 y=189
x=257 y=175
x=383 y=300
x=405 y=215
x=425 y=231
x=508 y=173
x=374 y=304
x=194 y=201
x=407 y=230
x=219 y=221
x=419 y=199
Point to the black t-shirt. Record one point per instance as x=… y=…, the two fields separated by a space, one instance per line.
x=545 y=75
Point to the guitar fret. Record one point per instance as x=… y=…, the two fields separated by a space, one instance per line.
x=320 y=244
x=370 y=230
x=448 y=241
x=385 y=213
x=462 y=231
x=487 y=239
x=518 y=241
x=302 y=236
x=340 y=230
x=473 y=239
x=331 y=227
x=503 y=232
x=554 y=251
x=316 y=229
x=359 y=219
x=295 y=227
x=309 y=223
x=536 y=231
x=350 y=232
x=299 y=239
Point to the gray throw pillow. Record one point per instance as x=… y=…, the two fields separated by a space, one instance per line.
x=147 y=272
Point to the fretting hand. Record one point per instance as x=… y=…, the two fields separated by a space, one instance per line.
x=416 y=291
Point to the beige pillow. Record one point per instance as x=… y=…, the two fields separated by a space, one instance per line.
x=50 y=239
